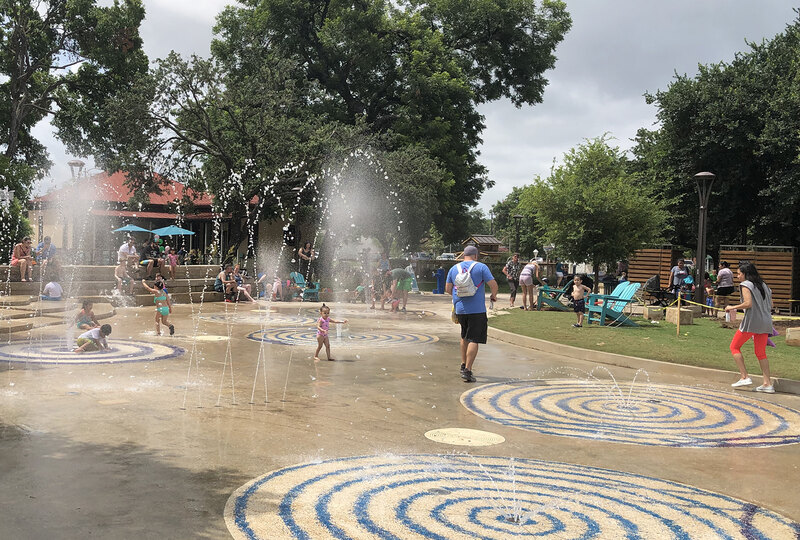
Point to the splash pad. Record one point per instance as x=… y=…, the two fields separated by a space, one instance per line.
x=368 y=338
x=59 y=351
x=462 y=496
x=659 y=415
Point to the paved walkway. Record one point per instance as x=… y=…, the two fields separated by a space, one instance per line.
x=156 y=446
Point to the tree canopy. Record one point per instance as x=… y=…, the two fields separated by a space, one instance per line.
x=591 y=208
x=64 y=60
x=414 y=69
x=740 y=121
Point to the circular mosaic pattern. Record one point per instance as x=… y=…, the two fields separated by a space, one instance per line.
x=59 y=351
x=660 y=415
x=260 y=318
x=308 y=337
x=461 y=496
x=372 y=313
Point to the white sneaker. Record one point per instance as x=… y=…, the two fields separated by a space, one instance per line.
x=742 y=382
x=765 y=388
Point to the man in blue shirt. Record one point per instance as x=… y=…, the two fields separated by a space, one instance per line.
x=471 y=310
x=45 y=252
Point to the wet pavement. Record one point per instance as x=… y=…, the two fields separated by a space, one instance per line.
x=154 y=448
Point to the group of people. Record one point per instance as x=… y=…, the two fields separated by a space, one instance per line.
x=525 y=276
x=24 y=256
x=155 y=255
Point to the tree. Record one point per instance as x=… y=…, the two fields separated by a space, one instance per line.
x=65 y=60
x=59 y=59
x=413 y=69
x=506 y=226
x=592 y=209
x=740 y=121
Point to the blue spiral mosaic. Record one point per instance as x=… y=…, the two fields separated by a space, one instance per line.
x=257 y=318
x=462 y=496
x=308 y=337
x=59 y=351
x=372 y=313
x=660 y=415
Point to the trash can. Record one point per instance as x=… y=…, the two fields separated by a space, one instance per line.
x=440 y=276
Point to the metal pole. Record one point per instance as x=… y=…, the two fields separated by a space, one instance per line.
x=705 y=180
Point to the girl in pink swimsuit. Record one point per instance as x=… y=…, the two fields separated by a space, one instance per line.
x=323 y=323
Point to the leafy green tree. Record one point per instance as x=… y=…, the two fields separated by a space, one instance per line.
x=506 y=226
x=63 y=59
x=415 y=69
x=738 y=120
x=592 y=209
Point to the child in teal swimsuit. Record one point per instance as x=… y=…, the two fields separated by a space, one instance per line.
x=85 y=320
x=163 y=306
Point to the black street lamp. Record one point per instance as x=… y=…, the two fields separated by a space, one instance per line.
x=704 y=180
x=517 y=221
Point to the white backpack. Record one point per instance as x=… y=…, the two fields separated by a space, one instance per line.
x=463 y=282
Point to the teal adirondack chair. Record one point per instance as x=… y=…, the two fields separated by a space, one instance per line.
x=552 y=296
x=310 y=289
x=613 y=305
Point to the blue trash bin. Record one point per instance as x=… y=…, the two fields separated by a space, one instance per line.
x=441 y=277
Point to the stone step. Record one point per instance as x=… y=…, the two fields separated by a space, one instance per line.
x=82 y=288
x=15 y=325
x=177 y=298
x=15 y=300
x=103 y=272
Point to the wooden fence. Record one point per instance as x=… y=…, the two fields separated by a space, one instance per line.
x=646 y=263
x=779 y=267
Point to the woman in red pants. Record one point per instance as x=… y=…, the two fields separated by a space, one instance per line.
x=757 y=324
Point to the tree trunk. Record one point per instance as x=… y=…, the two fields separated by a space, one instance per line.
x=596 y=268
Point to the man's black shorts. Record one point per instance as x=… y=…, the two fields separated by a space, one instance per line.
x=474 y=327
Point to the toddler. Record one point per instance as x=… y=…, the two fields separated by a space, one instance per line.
x=323 y=323
x=579 y=292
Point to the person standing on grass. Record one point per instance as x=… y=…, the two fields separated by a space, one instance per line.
x=756 y=324
x=724 y=287
x=469 y=300
x=512 y=270
x=527 y=278
x=579 y=292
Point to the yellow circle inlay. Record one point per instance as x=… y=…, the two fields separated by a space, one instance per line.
x=464 y=437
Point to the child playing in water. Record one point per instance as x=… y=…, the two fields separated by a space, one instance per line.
x=85 y=320
x=323 y=324
x=163 y=306
x=94 y=339
x=122 y=276
x=579 y=292
x=171 y=260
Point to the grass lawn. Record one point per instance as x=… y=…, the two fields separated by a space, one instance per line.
x=702 y=344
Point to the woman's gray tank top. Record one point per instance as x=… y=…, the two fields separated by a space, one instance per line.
x=757 y=318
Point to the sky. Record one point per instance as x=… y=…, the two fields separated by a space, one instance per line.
x=615 y=52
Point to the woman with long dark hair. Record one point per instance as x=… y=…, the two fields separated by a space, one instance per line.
x=756 y=302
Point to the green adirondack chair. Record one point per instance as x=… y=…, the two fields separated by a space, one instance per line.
x=613 y=305
x=310 y=289
x=552 y=296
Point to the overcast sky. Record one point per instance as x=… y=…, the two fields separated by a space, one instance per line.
x=616 y=51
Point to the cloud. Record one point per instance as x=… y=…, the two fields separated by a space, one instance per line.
x=615 y=52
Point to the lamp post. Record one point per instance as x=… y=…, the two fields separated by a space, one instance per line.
x=517 y=221
x=704 y=181
x=491 y=222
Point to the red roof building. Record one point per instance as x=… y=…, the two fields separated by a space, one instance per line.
x=80 y=217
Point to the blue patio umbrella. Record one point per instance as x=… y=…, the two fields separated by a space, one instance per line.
x=131 y=228
x=172 y=230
